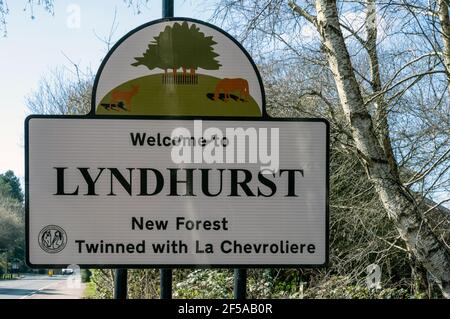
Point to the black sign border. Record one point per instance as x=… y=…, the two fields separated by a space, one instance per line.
x=204 y=118
x=181 y=19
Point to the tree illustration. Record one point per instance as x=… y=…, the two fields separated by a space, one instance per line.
x=180 y=46
x=159 y=53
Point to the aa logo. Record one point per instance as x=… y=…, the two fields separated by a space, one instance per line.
x=52 y=239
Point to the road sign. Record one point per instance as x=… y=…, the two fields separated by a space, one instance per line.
x=178 y=66
x=122 y=192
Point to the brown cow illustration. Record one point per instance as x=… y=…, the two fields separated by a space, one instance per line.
x=124 y=96
x=231 y=85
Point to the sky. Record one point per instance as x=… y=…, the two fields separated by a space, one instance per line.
x=34 y=47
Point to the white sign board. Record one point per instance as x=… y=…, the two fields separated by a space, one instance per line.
x=127 y=192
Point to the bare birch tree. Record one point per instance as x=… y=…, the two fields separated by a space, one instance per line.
x=366 y=100
x=397 y=200
x=445 y=26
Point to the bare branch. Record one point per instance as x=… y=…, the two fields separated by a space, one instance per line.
x=299 y=10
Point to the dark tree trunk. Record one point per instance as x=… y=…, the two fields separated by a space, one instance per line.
x=174 y=70
x=184 y=73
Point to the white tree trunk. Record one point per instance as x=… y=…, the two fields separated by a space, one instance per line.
x=445 y=28
x=381 y=117
x=400 y=206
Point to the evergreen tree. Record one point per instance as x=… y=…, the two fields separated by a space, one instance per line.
x=10 y=186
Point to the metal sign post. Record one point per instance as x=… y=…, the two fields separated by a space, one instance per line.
x=120 y=284
x=165 y=274
x=165 y=285
x=167 y=8
x=240 y=283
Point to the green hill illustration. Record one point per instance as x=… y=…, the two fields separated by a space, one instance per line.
x=180 y=48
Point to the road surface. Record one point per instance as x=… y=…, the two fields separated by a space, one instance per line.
x=40 y=287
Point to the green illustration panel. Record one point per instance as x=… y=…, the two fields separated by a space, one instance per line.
x=158 y=95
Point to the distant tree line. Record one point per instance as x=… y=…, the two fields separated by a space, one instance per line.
x=12 y=227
